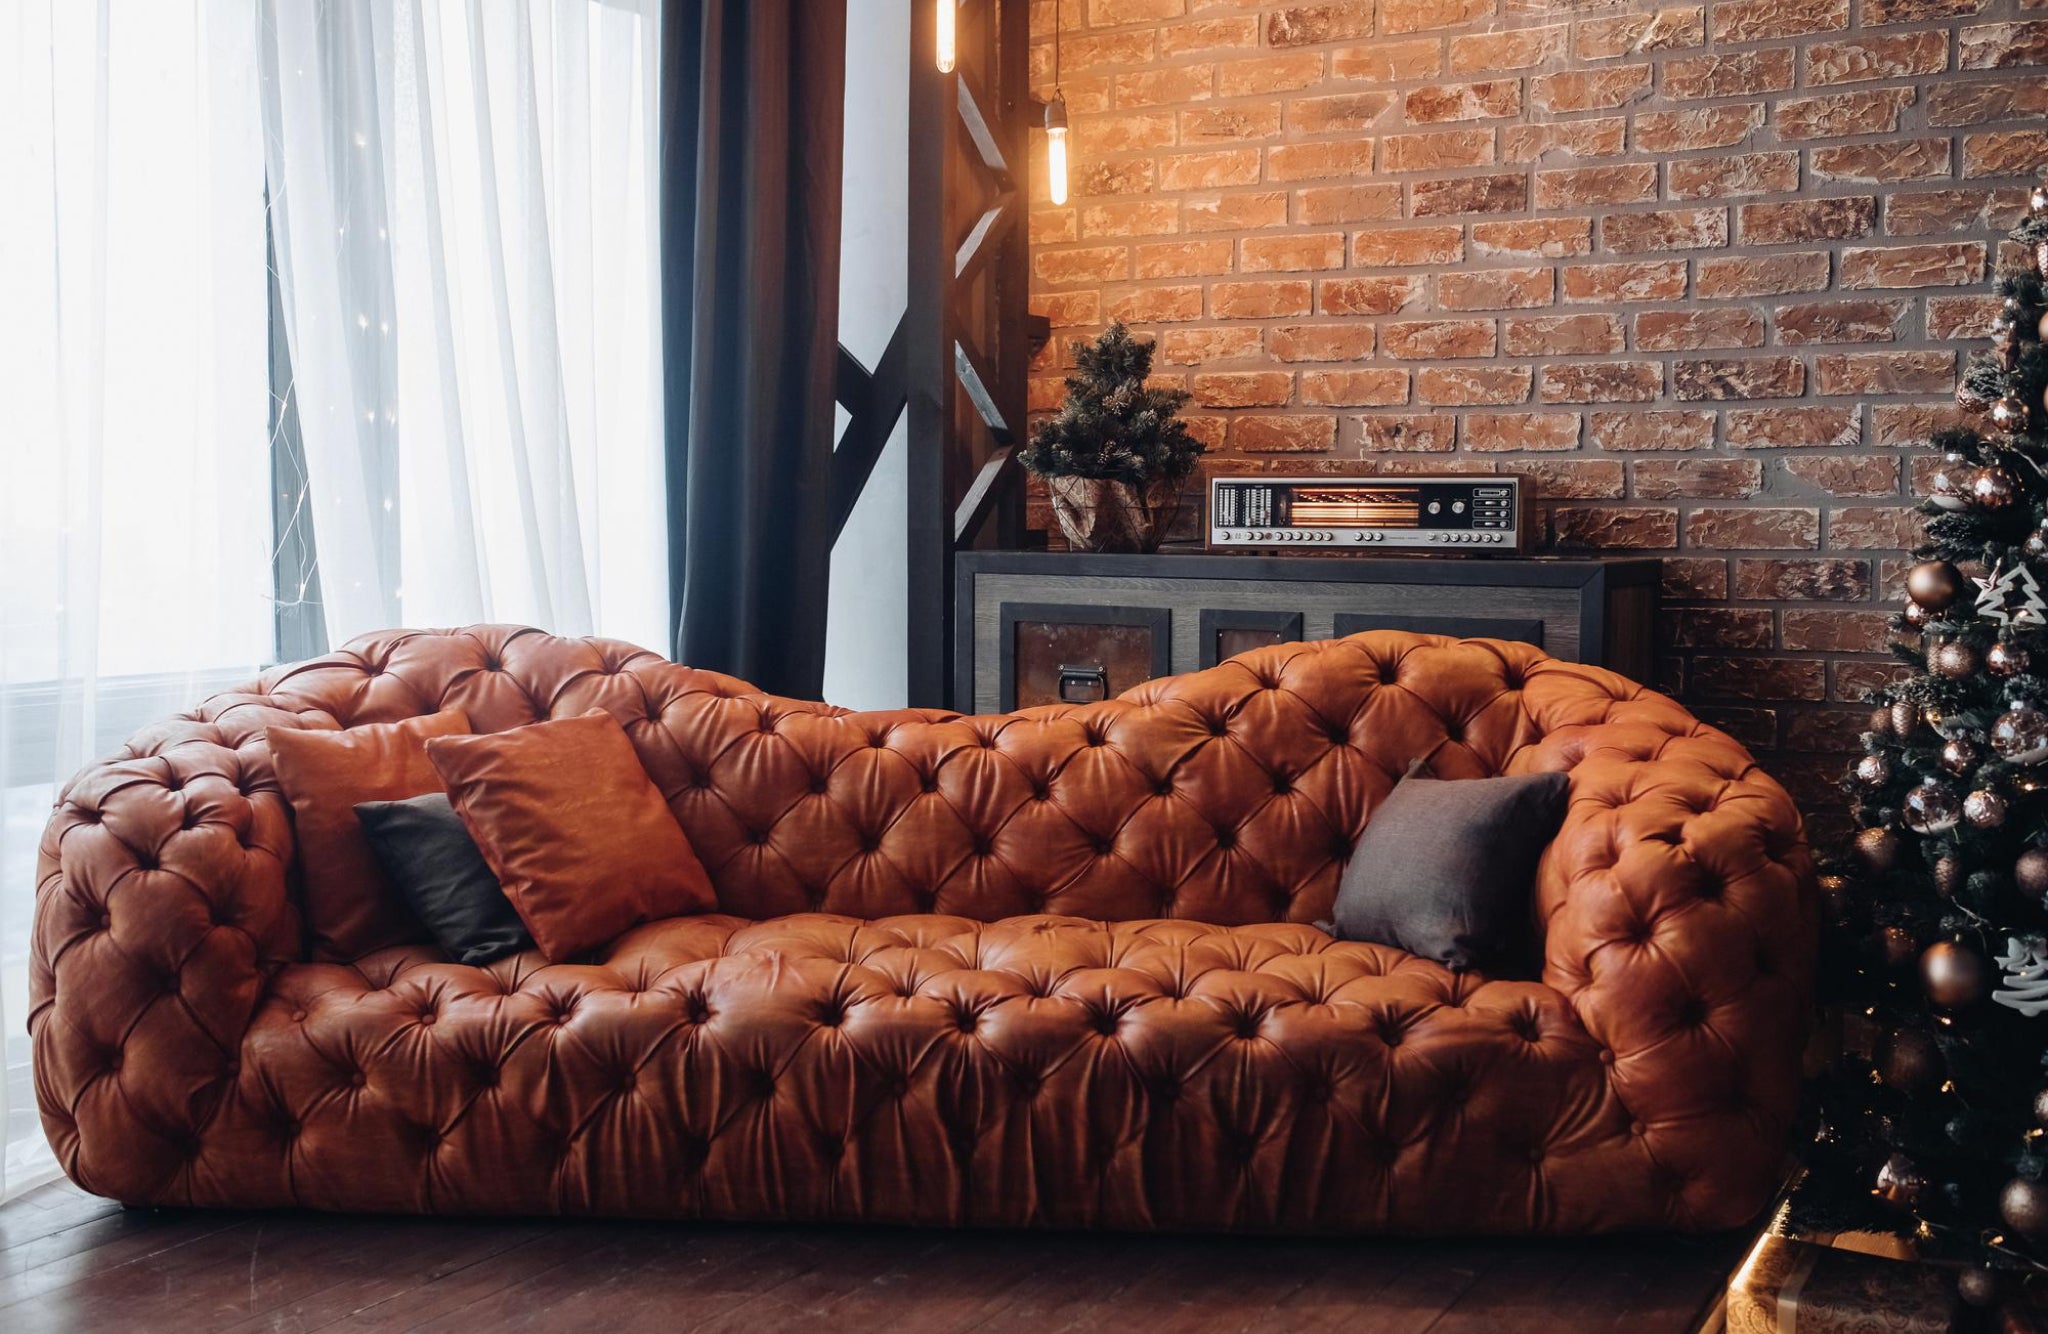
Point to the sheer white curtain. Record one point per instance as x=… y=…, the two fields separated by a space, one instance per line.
x=134 y=508
x=464 y=203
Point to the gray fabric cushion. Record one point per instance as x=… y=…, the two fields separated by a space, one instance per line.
x=423 y=847
x=1446 y=868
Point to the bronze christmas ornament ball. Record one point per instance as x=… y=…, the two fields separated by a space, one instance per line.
x=1993 y=487
x=1978 y=1286
x=1949 y=488
x=1956 y=660
x=1960 y=756
x=1955 y=976
x=1910 y=1061
x=1899 y=1182
x=1835 y=891
x=1895 y=944
x=1985 y=809
x=2036 y=544
x=2021 y=734
x=2009 y=414
x=1934 y=584
x=2030 y=872
x=2023 y=1204
x=1873 y=771
x=2005 y=659
x=1878 y=850
x=1932 y=808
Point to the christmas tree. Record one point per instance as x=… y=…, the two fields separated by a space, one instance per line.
x=1933 y=1121
x=1112 y=425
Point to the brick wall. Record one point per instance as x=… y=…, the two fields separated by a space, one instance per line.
x=1698 y=270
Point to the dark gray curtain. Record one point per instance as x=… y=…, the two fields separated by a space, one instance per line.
x=752 y=100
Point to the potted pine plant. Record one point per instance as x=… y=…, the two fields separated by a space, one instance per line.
x=1116 y=453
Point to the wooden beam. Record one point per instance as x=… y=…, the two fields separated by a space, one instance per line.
x=874 y=407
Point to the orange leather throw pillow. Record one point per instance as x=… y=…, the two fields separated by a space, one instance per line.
x=351 y=906
x=576 y=832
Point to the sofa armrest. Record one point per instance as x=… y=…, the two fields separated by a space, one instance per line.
x=1681 y=921
x=161 y=910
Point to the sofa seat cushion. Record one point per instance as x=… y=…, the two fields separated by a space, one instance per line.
x=934 y=1069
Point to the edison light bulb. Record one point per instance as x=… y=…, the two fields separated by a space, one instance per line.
x=1056 y=148
x=947 y=51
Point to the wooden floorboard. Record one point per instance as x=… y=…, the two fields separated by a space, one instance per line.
x=70 y=1262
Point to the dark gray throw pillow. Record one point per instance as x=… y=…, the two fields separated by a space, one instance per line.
x=422 y=846
x=1446 y=868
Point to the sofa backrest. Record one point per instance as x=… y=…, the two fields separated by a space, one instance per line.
x=1230 y=795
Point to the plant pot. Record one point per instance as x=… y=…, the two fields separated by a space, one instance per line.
x=1100 y=514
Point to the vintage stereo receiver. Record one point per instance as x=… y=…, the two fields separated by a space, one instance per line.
x=1482 y=514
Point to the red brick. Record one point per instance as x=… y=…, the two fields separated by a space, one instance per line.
x=2002 y=45
x=1320 y=342
x=1316 y=161
x=1423 y=433
x=1181 y=39
x=1561 y=335
x=1826 y=630
x=1762 y=275
x=1283 y=435
x=1233 y=124
x=1549 y=238
x=1375 y=387
x=1729 y=74
x=1398 y=16
x=1693 y=479
x=1182 y=259
x=1846 y=475
x=1621 y=183
x=1126 y=217
x=1272 y=74
x=1838 y=321
x=1949 y=264
x=1243 y=389
x=1600 y=89
x=1321 y=205
x=1574 y=479
x=1732 y=176
x=1308 y=25
x=1229 y=213
x=1738 y=377
x=1201 y=347
x=1432 y=340
x=1415 y=58
x=1209 y=171
x=1932 y=212
x=1437 y=151
x=1094 y=179
x=1760 y=20
x=1564 y=140
x=1519 y=48
x=2007 y=153
x=1893 y=56
x=1097 y=264
x=1469 y=194
x=1695 y=128
x=1777 y=529
x=1153 y=305
x=1867 y=528
x=1835 y=115
x=1175 y=85
x=1385 y=247
x=1489 y=100
x=1260 y=300
x=1670 y=29
x=1802 y=580
x=1983 y=100
x=1621 y=527
x=1650 y=429
x=1950 y=317
x=1665 y=229
x=1892 y=160
x=1806 y=220
x=1293 y=253
x=1695 y=577
x=1793 y=428
x=1760 y=678
x=1711 y=326
x=1340 y=113
x=1500 y=432
x=1367 y=296
x=1716 y=627
x=1496 y=289
x=1635 y=280
x=1602 y=382
x=1096 y=135
x=1459 y=386
x=1874 y=373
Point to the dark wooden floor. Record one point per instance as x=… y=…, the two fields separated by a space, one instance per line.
x=69 y=1261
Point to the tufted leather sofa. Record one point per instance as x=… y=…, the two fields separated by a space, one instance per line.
x=1054 y=967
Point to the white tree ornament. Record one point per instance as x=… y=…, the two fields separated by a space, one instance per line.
x=2011 y=596
x=2026 y=977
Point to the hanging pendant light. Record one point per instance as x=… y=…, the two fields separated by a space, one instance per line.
x=1056 y=124
x=1056 y=148
x=949 y=52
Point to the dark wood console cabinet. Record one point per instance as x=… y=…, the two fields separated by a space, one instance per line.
x=1039 y=627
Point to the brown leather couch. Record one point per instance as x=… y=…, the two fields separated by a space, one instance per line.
x=1053 y=968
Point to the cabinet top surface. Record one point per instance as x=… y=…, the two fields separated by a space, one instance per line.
x=1523 y=570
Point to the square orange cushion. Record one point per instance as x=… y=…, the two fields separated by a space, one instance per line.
x=351 y=906
x=575 y=830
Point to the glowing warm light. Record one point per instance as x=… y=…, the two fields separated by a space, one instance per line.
x=1056 y=149
x=948 y=46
